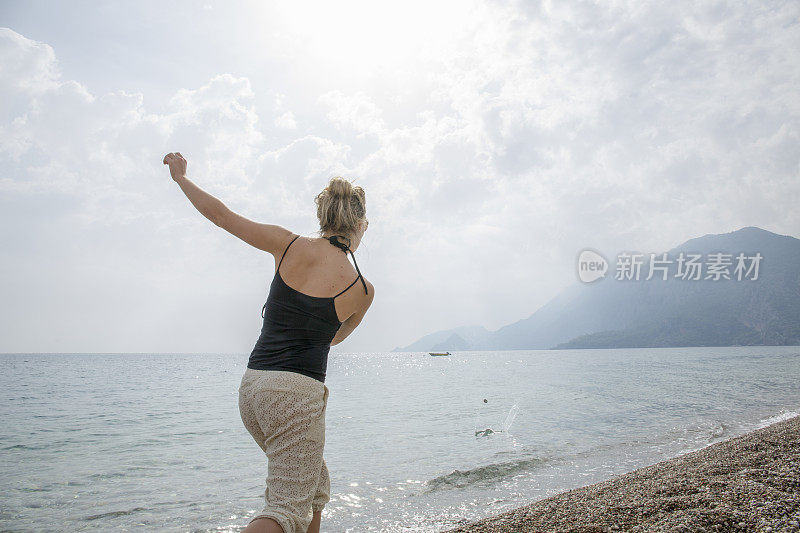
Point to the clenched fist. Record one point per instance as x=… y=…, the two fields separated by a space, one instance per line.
x=177 y=165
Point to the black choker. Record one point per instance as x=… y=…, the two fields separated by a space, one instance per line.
x=346 y=248
x=333 y=239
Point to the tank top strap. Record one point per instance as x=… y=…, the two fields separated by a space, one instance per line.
x=360 y=277
x=345 y=290
x=345 y=248
x=286 y=250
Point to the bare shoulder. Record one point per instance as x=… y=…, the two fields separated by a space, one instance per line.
x=285 y=238
x=362 y=303
x=370 y=291
x=275 y=238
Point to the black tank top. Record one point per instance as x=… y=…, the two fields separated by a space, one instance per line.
x=298 y=328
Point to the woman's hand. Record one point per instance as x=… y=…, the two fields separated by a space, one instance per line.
x=177 y=165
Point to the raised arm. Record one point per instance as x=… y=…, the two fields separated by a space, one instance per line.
x=268 y=237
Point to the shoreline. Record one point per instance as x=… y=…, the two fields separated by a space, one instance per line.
x=747 y=483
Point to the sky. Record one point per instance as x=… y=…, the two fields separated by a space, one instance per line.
x=495 y=140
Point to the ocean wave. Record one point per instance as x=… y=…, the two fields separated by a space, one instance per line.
x=714 y=431
x=486 y=473
x=701 y=432
x=108 y=475
x=25 y=447
x=780 y=417
x=114 y=514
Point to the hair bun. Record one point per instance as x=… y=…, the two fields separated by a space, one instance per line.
x=341 y=206
x=340 y=188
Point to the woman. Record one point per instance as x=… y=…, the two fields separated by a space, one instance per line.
x=315 y=301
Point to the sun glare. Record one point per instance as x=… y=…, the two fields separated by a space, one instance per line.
x=365 y=34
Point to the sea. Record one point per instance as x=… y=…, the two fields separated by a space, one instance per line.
x=155 y=442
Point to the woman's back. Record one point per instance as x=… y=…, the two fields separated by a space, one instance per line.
x=309 y=299
x=317 y=268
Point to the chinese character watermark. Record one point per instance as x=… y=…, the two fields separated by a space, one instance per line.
x=686 y=266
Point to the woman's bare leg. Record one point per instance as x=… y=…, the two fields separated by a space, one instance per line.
x=263 y=525
x=268 y=525
x=313 y=527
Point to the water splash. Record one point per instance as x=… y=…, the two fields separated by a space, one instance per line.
x=512 y=414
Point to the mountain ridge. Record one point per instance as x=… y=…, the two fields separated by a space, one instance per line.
x=611 y=313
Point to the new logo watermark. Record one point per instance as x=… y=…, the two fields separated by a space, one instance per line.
x=716 y=266
x=591 y=266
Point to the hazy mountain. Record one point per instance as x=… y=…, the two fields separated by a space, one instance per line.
x=674 y=312
x=464 y=337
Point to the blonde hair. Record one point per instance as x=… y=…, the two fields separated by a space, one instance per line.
x=341 y=207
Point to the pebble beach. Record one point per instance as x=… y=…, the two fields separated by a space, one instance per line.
x=747 y=483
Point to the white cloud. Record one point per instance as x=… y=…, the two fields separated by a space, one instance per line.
x=98 y=147
x=355 y=111
x=286 y=121
x=28 y=66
